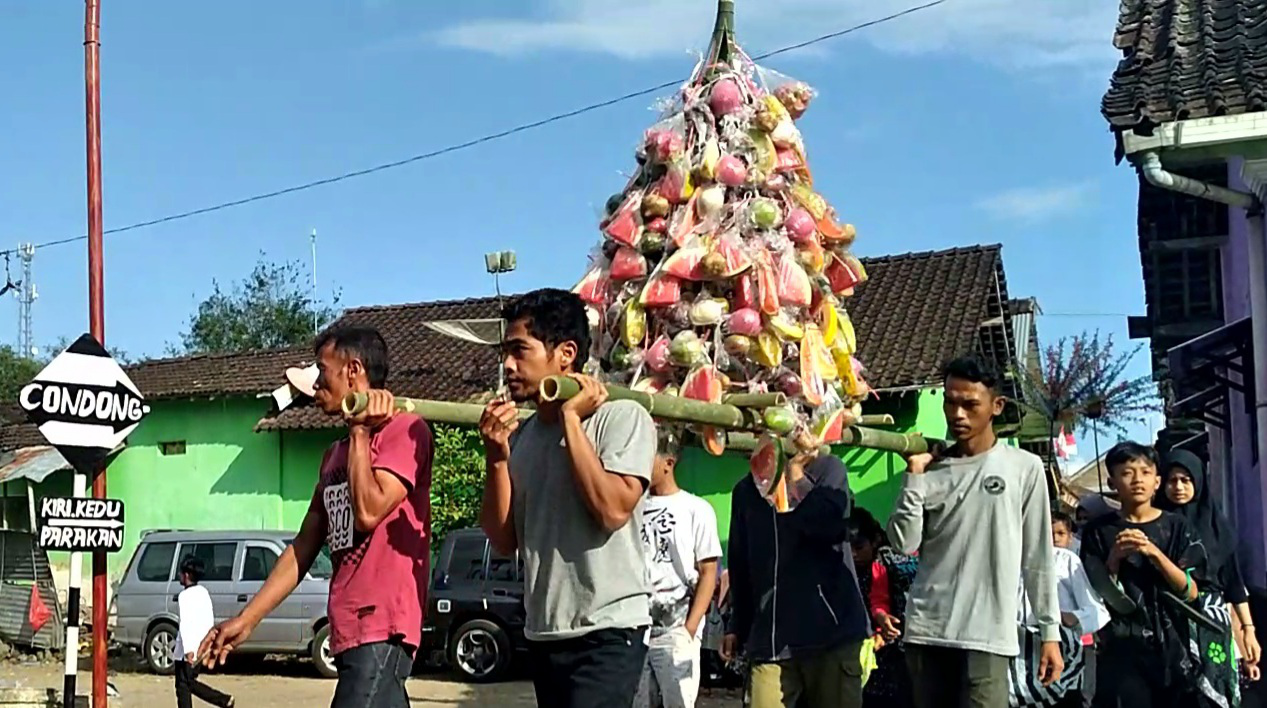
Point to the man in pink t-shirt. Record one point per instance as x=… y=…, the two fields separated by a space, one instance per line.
x=372 y=508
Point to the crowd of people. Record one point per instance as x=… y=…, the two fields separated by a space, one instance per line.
x=976 y=594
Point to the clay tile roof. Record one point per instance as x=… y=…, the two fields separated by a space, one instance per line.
x=17 y=435
x=917 y=311
x=1187 y=59
x=216 y=375
x=424 y=364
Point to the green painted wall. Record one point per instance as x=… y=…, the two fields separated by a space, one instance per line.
x=228 y=477
x=302 y=452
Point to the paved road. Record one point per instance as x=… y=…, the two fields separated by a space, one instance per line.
x=290 y=684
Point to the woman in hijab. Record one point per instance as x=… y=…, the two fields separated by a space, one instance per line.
x=1186 y=491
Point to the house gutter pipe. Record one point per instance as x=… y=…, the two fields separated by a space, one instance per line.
x=1150 y=166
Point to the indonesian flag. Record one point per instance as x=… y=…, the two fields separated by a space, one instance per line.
x=1065 y=445
x=38 y=613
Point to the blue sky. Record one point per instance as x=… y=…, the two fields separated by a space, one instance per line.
x=973 y=122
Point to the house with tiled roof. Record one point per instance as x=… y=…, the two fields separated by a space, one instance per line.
x=1187 y=106
x=216 y=453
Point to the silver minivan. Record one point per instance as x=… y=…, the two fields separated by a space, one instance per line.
x=237 y=563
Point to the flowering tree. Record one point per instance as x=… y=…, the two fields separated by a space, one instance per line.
x=1080 y=383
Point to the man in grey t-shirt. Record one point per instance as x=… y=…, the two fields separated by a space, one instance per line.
x=566 y=488
x=978 y=517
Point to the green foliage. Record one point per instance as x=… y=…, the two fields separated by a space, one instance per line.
x=272 y=307
x=16 y=371
x=457 y=481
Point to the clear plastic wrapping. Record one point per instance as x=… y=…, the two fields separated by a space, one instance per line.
x=721 y=270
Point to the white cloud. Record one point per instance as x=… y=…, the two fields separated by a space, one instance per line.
x=1017 y=35
x=1032 y=204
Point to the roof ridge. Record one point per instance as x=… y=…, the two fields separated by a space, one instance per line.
x=214 y=356
x=425 y=303
x=995 y=248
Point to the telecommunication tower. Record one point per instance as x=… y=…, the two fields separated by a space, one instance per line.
x=26 y=300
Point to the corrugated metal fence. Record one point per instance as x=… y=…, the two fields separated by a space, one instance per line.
x=23 y=564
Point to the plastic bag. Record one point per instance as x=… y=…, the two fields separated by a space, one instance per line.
x=721 y=267
x=793 y=94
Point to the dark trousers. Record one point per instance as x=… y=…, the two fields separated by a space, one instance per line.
x=1088 y=675
x=373 y=676
x=598 y=670
x=1126 y=678
x=947 y=678
x=188 y=686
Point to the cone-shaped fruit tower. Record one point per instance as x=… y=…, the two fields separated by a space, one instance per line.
x=722 y=270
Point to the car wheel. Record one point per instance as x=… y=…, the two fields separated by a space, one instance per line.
x=160 y=644
x=481 y=651
x=321 y=655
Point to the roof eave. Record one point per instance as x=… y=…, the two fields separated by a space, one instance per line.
x=1204 y=138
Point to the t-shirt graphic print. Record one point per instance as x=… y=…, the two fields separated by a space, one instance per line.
x=657 y=533
x=678 y=531
x=339 y=518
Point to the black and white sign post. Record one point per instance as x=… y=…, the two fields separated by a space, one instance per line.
x=85 y=406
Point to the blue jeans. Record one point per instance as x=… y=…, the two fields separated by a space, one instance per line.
x=373 y=676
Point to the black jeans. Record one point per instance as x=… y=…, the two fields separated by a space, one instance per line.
x=1126 y=678
x=598 y=670
x=373 y=676
x=188 y=686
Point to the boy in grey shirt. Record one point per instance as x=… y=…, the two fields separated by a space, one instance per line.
x=979 y=518
x=566 y=488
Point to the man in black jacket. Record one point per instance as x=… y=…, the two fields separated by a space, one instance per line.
x=797 y=615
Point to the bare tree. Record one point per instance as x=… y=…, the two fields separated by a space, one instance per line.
x=1081 y=384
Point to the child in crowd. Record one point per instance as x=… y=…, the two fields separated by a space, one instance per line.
x=196 y=620
x=1146 y=564
x=1080 y=606
x=1081 y=613
x=884 y=576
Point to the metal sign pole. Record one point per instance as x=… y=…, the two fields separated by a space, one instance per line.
x=96 y=314
x=72 y=608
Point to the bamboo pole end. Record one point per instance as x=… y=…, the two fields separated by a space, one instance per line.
x=354 y=403
x=555 y=388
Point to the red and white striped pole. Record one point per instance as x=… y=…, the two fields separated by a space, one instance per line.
x=96 y=322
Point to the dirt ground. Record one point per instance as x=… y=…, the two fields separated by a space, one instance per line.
x=292 y=684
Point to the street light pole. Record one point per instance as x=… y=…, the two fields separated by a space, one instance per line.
x=496 y=263
x=1094 y=410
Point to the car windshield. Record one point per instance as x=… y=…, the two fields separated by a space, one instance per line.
x=322 y=568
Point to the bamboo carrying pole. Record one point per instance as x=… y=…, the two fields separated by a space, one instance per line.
x=854 y=436
x=686 y=410
x=739 y=412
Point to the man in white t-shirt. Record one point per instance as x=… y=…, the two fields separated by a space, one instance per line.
x=196 y=619
x=680 y=533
